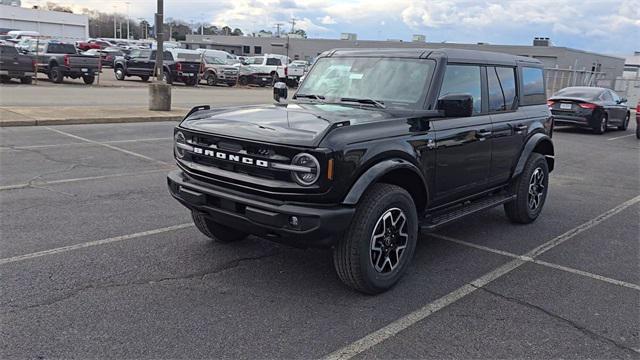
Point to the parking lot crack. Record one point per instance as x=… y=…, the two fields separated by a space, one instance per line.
x=571 y=323
x=195 y=275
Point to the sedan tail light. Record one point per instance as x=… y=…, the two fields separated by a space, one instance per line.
x=588 y=106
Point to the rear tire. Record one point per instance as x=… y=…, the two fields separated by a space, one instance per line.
x=530 y=189
x=625 y=123
x=27 y=80
x=88 y=79
x=56 y=75
x=601 y=127
x=144 y=78
x=166 y=76
x=379 y=245
x=4 y=79
x=214 y=230
x=243 y=81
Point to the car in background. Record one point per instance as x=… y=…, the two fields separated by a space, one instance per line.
x=216 y=71
x=85 y=45
x=592 y=107
x=179 y=65
x=301 y=63
x=59 y=60
x=638 y=120
x=107 y=55
x=15 y=65
x=273 y=65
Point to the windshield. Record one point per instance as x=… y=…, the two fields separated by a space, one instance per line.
x=213 y=60
x=391 y=81
x=583 y=93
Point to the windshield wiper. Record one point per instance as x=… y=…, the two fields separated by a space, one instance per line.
x=376 y=103
x=309 y=96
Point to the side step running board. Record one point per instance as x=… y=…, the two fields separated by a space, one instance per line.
x=440 y=218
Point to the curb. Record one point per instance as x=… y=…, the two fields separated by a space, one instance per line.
x=128 y=119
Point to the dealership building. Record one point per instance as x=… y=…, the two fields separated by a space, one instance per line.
x=565 y=66
x=50 y=24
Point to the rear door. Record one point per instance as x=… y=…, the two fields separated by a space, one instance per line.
x=463 y=145
x=509 y=123
x=618 y=110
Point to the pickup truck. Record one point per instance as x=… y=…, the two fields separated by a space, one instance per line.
x=15 y=65
x=216 y=71
x=179 y=65
x=274 y=66
x=60 y=60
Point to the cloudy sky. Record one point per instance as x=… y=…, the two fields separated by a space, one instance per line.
x=609 y=26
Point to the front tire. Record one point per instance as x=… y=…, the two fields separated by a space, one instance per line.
x=119 y=72
x=530 y=189
x=166 y=76
x=212 y=79
x=379 y=245
x=144 y=78
x=27 y=80
x=216 y=231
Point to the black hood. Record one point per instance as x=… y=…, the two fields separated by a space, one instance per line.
x=291 y=124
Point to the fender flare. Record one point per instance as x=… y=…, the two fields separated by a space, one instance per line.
x=531 y=144
x=374 y=173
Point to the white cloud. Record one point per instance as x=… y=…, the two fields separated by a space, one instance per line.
x=327 y=20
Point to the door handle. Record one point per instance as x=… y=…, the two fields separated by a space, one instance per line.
x=484 y=133
x=521 y=127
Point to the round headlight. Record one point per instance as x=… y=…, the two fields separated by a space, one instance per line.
x=179 y=139
x=307 y=177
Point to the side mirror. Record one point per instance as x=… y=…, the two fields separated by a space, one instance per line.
x=279 y=91
x=456 y=105
x=622 y=101
x=127 y=57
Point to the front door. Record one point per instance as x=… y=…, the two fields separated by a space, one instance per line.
x=463 y=145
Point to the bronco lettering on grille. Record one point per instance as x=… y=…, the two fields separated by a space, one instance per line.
x=231 y=157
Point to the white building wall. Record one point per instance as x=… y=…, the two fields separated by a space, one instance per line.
x=51 y=24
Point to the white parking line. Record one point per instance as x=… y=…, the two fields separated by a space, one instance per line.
x=92 y=243
x=390 y=330
x=82 y=143
x=620 y=137
x=105 y=145
x=63 y=181
x=539 y=262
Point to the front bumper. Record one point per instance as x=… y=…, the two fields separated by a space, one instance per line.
x=317 y=225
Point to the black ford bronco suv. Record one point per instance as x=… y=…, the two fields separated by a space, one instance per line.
x=374 y=146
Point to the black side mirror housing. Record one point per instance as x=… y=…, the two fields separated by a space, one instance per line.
x=127 y=57
x=280 y=91
x=456 y=105
x=622 y=101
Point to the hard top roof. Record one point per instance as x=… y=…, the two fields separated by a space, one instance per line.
x=452 y=55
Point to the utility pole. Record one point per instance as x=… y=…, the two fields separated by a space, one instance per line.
x=160 y=39
x=278 y=25
x=128 y=21
x=293 y=24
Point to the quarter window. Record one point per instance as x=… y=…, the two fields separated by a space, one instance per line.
x=502 y=88
x=532 y=81
x=463 y=79
x=274 y=61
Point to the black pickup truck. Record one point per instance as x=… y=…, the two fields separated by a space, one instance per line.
x=15 y=65
x=374 y=146
x=142 y=63
x=59 y=60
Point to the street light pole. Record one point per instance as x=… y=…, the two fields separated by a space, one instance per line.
x=159 y=92
x=128 y=21
x=115 y=27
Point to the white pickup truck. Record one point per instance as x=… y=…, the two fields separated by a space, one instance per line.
x=276 y=66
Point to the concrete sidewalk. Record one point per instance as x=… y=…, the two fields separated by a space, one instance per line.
x=63 y=115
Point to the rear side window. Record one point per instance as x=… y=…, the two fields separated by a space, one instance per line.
x=463 y=79
x=502 y=88
x=61 y=49
x=533 y=86
x=8 y=50
x=274 y=61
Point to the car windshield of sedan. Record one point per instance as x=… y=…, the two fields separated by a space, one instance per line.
x=384 y=82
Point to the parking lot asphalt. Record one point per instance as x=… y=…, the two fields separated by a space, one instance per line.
x=98 y=261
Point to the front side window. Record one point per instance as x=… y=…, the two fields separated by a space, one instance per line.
x=463 y=79
x=394 y=82
x=502 y=88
